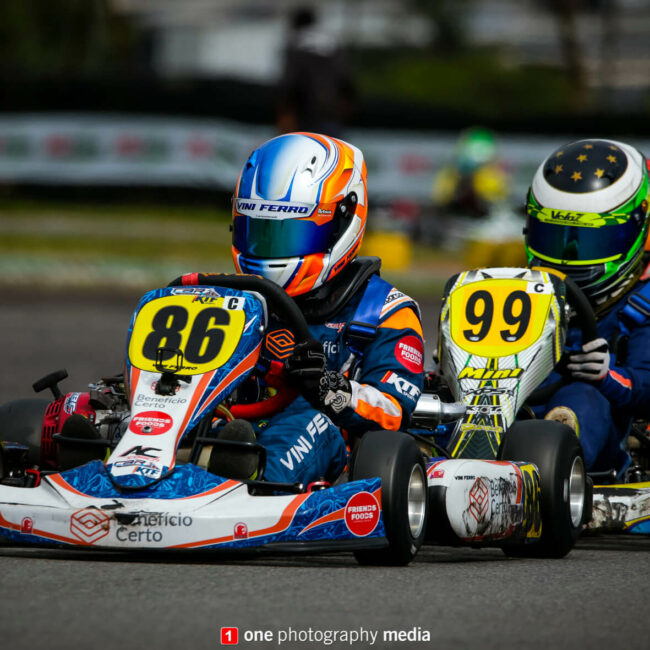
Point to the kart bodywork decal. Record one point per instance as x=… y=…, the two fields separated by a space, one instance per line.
x=93 y=480
x=337 y=515
x=223 y=517
x=621 y=508
x=485 y=500
x=501 y=333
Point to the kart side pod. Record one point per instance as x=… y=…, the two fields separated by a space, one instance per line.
x=482 y=502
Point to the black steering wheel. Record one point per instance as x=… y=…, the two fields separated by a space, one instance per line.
x=281 y=304
x=276 y=297
x=584 y=314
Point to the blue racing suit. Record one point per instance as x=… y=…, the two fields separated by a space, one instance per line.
x=605 y=409
x=375 y=339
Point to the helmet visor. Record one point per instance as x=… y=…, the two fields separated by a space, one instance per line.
x=273 y=238
x=570 y=237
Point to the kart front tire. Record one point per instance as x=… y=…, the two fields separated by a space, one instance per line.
x=557 y=452
x=395 y=458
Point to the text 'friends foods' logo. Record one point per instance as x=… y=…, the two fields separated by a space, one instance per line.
x=409 y=351
x=362 y=514
x=151 y=423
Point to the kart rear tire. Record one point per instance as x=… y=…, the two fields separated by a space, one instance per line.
x=21 y=421
x=557 y=452
x=395 y=458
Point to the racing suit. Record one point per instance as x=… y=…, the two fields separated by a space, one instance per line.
x=605 y=409
x=374 y=337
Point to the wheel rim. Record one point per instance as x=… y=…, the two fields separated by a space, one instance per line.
x=574 y=488
x=417 y=501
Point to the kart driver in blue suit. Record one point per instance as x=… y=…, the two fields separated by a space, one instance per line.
x=299 y=215
x=588 y=213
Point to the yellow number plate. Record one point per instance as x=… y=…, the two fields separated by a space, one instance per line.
x=499 y=317
x=205 y=333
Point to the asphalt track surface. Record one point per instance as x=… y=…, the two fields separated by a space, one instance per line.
x=463 y=598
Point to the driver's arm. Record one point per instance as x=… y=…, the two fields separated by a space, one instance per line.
x=628 y=386
x=390 y=381
x=391 y=377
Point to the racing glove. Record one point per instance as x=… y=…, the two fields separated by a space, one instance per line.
x=593 y=364
x=326 y=390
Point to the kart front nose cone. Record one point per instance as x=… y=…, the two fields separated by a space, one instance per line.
x=575 y=491
x=417 y=496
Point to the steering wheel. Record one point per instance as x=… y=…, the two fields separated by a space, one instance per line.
x=283 y=306
x=584 y=314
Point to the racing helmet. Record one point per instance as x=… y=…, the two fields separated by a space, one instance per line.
x=476 y=147
x=299 y=210
x=587 y=216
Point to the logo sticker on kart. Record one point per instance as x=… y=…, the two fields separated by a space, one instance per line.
x=410 y=353
x=240 y=531
x=151 y=423
x=89 y=525
x=70 y=404
x=27 y=526
x=362 y=514
x=479 y=499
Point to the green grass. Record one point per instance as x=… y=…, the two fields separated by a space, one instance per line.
x=142 y=246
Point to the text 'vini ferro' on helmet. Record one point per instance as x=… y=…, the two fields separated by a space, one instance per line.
x=299 y=210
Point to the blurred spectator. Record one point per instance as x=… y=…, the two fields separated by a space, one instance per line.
x=316 y=92
x=475 y=181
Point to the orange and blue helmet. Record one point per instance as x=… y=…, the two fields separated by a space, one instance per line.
x=299 y=210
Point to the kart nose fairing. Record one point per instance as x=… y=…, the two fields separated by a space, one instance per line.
x=190 y=509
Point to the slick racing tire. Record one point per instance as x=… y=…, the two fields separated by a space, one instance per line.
x=557 y=452
x=395 y=458
x=21 y=421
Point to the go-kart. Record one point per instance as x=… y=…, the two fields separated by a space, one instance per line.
x=501 y=333
x=125 y=465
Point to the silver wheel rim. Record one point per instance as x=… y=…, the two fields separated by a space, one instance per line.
x=417 y=501
x=575 y=487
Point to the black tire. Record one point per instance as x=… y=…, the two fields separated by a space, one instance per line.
x=394 y=457
x=557 y=452
x=21 y=421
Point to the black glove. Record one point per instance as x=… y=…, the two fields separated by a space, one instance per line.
x=326 y=390
x=593 y=364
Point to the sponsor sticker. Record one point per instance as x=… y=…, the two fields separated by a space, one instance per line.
x=479 y=499
x=240 y=530
x=403 y=386
x=70 y=404
x=409 y=351
x=151 y=423
x=362 y=514
x=27 y=526
x=335 y=326
x=89 y=525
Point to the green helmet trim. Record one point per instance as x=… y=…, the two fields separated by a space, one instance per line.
x=588 y=219
x=612 y=264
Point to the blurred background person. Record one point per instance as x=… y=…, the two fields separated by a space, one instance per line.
x=475 y=180
x=316 y=90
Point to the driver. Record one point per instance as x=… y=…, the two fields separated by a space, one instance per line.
x=588 y=210
x=299 y=214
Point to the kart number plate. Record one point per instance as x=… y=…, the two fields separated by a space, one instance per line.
x=205 y=334
x=499 y=317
